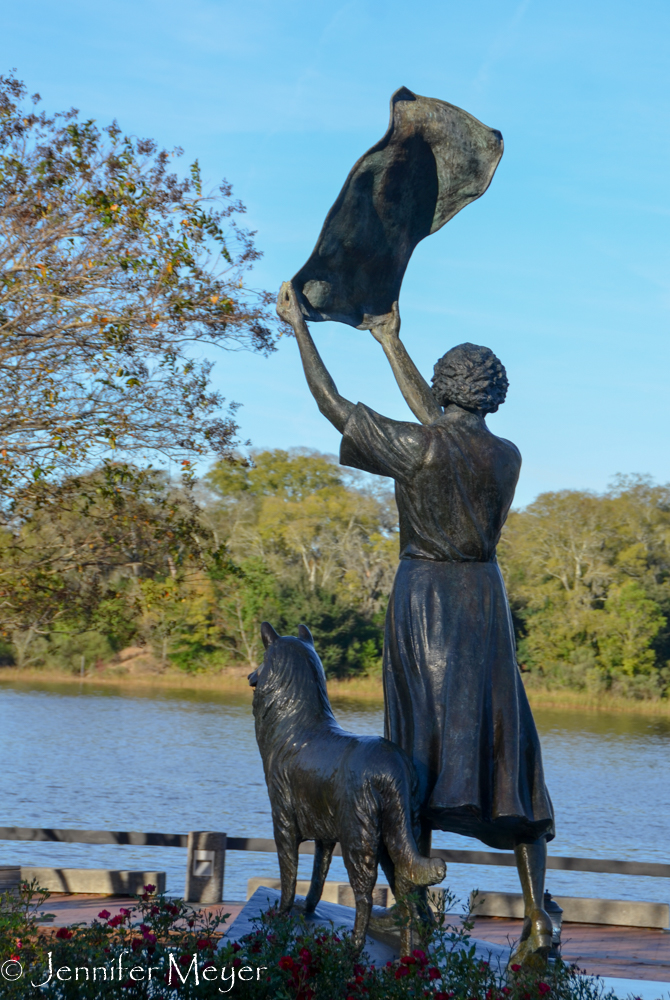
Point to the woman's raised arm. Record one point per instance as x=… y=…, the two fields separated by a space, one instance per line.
x=334 y=407
x=413 y=386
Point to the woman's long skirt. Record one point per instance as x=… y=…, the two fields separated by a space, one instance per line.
x=456 y=704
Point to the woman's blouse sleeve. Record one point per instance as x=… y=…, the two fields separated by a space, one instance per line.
x=382 y=446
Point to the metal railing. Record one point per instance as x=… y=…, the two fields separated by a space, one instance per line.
x=206 y=857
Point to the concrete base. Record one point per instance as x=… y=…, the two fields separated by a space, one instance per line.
x=97 y=880
x=328 y=914
x=579 y=910
x=380 y=948
x=641 y=989
x=10 y=876
x=333 y=892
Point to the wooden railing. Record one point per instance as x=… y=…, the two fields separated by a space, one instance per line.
x=205 y=863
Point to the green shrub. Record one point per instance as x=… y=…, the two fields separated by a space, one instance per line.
x=284 y=958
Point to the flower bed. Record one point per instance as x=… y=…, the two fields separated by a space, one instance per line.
x=161 y=948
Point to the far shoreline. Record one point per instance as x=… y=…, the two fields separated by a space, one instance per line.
x=233 y=682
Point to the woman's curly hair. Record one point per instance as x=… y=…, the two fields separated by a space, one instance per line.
x=472 y=377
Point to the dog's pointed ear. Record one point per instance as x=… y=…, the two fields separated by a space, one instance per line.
x=305 y=634
x=268 y=634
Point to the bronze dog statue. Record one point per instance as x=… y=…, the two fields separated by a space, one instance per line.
x=328 y=785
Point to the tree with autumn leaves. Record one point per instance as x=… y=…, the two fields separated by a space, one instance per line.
x=115 y=272
x=112 y=268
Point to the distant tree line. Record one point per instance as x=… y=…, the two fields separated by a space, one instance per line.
x=588 y=577
x=289 y=536
x=284 y=536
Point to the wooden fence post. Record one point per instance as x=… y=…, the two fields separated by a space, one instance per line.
x=205 y=867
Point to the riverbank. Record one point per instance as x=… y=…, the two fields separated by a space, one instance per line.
x=233 y=681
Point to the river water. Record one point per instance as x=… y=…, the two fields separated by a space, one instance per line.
x=175 y=761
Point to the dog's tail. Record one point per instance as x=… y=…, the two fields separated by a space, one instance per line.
x=418 y=870
x=398 y=811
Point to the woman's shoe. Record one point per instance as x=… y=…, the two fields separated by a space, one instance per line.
x=534 y=945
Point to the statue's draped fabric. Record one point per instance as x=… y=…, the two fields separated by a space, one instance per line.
x=433 y=160
x=454 y=697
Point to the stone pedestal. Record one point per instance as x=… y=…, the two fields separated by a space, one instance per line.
x=380 y=947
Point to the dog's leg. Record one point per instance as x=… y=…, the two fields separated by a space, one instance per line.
x=323 y=853
x=361 y=865
x=407 y=913
x=387 y=919
x=287 y=840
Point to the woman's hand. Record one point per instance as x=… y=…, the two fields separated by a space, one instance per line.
x=387 y=328
x=288 y=307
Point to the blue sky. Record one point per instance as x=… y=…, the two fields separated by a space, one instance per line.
x=561 y=268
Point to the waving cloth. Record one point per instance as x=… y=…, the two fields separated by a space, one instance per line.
x=433 y=161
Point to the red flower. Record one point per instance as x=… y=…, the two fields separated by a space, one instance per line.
x=543 y=988
x=115 y=921
x=286 y=962
x=150 y=938
x=150 y=888
x=185 y=959
x=155 y=910
x=434 y=973
x=515 y=968
x=237 y=962
x=136 y=943
x=203 y=943
x=305 y=956
x=420 y=956
x=235 y=946
x=408 y=960
x=104 y=914
x=125 y=912
x=401 y=971
x=14 y=958
x=64 y=933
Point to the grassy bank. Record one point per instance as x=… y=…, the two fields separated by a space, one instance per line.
x=582 y=701
x=233 y=681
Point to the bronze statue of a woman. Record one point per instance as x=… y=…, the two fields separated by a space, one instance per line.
x=454 y=699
